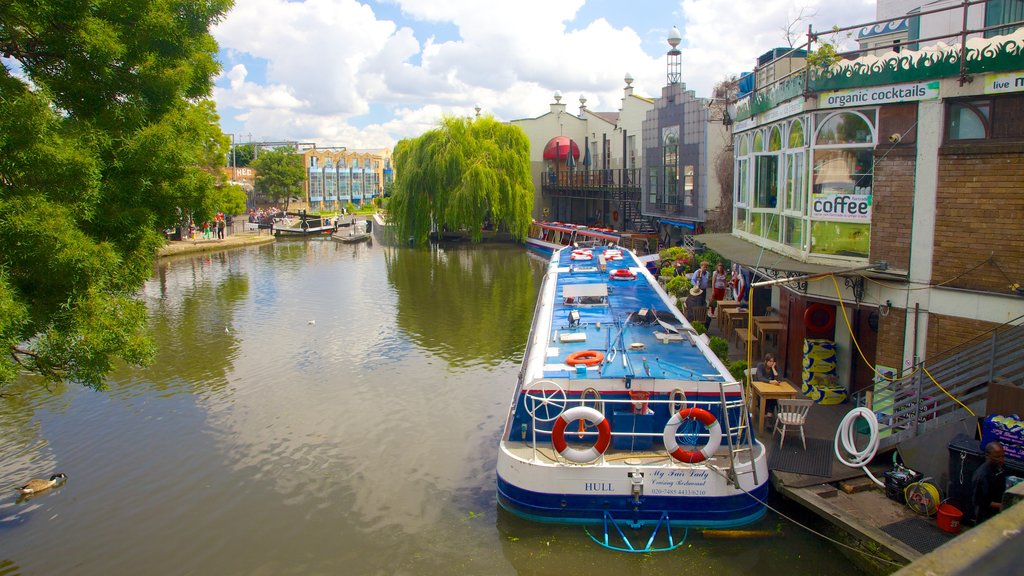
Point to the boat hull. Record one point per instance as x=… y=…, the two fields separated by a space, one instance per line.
x=692 y=511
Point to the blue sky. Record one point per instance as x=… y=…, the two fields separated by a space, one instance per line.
x=367 y=74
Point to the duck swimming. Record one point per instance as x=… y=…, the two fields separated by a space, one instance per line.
x=35 y=486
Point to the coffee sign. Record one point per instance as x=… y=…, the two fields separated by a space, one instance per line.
x=848 y=207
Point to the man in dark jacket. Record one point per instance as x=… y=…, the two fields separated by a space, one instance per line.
x=989 y=483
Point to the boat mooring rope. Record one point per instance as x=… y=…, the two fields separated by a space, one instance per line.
x=808 y=528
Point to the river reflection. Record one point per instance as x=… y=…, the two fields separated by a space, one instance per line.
x=315 y=408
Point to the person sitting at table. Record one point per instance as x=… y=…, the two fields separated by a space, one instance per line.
x=767 y=371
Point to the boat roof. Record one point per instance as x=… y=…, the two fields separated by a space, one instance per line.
x=636 y=325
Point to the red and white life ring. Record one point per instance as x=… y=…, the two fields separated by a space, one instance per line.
x=613 y=254
x=623 y=274
x=581 y=255
x=819 y=317
x=709 y=422
x=604 y=434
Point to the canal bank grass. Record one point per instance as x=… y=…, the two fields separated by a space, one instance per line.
x=178 y=247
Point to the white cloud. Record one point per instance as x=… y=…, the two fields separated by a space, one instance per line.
x=333 y=65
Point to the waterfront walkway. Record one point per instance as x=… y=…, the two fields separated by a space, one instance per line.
x=234 y=240
x=846 y=497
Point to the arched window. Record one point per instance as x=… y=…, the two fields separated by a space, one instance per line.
x=967 y=121
x=844 y=128
x=743 y=146
x=775 y=139
x=758 y=141
x=796 y=134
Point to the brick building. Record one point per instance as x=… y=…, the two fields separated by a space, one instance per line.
x=908 y=155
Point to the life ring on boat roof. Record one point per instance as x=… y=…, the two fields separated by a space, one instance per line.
x=613 y=254
x=623 y=274
x=581 y=255
x=819 y=317
x=692 y=457
x=604 y=434
x=585 y=357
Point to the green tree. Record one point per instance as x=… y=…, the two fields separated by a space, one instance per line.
x=279 y=174
x=459 y=176
x=244 y=154
x=105 y=137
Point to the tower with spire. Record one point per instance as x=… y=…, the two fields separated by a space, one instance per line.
x=674 y=57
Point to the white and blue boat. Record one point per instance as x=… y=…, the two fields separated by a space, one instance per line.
x=622 y=415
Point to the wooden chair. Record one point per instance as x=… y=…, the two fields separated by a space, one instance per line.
x=791 y=414
x=698 y=314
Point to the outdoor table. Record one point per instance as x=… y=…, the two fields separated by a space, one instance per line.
x=726 y=313
x=765 y=391
x=766 y=327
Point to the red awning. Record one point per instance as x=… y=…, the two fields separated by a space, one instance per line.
x=559 y=147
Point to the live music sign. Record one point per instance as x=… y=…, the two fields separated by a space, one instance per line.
x=849 y=207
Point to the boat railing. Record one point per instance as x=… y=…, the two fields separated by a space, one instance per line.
x=548 y=407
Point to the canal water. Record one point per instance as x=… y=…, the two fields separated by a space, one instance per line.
x=315 y=408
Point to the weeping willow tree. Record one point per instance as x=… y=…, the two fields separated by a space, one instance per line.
x=459 y=176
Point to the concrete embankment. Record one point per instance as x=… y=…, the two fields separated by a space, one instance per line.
x=176 y=247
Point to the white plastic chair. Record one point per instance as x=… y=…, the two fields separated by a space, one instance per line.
x=791 y=414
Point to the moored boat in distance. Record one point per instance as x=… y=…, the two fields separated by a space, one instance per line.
x=302 y=224
x=622 y=414
x=546 y=237
x=356 y=232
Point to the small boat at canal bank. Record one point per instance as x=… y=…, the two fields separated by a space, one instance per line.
x=352 y=234
x=622 y=415
x=302 y=224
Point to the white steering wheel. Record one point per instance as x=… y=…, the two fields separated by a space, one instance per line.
x=544 y=400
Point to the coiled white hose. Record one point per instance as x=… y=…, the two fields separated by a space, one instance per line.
x=846 y=431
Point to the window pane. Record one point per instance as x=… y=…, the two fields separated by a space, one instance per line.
x=965 y=123
x=796 y=135
x=843 y=171
x=840 y=238
x=742 y=182
x=794 y=233
x=758 y=141
x=795 y=189
x=743 y=146
x=741 y=219
x=766 y=184
x=844 y=128
x=688 y=185
x=775 y=140
x=765 y=225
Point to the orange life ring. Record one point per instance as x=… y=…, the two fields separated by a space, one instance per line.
x=819 y=317
x=604 y=434
x=585 y=357
x=692 y=457
x=622 y=274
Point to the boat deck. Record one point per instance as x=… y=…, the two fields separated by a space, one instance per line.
x=634 y=344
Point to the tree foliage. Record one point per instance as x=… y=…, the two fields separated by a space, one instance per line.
x=244 y=154
x=279 y=174
x=105 y=137
x=461 y=175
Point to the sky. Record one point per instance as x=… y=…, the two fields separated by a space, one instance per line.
x=366 y=74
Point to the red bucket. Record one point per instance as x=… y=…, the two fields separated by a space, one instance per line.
x=948 y=518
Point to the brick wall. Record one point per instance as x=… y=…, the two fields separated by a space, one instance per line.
x=946 y=332
x=979 y=217
x=891 y=328
x=892 y=210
